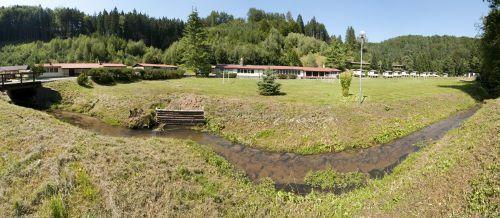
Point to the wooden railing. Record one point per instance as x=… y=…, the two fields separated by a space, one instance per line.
x=8 y=77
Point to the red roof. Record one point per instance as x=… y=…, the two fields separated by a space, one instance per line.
x=265 y=67
x=155 y=65
x=83 y=65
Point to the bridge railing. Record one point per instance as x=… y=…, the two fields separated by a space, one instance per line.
x=8 y=77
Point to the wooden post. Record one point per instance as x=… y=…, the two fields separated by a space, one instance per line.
x=21 y=75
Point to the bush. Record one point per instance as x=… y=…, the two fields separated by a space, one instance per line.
x=105 y=76
x=124 y=75
x=329 y=179
x=101 y=76
x=345 y=82
x=232 y=75
x=158 y=74
x=268 y=86
x=282 y=76
x=83 y=80
x=287 y=76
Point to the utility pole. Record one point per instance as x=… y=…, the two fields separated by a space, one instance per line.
x=362 y=36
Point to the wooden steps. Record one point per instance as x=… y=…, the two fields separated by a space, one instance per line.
x=180 y=117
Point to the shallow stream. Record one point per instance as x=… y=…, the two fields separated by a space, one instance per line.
x=288 y=170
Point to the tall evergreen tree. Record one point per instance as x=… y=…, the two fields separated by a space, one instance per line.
x=300 y=23
x=196 y=51
x=350 y=38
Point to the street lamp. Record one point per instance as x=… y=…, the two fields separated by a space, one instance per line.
x=362 y=36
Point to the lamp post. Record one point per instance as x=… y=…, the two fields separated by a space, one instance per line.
x=362 y=36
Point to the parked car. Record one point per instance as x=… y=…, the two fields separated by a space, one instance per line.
x=373 y=74
x=357 y=73
x=387 y=74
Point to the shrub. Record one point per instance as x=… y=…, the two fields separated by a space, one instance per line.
x=287 y=76
x=232 y=75
x=345 y=82
x=124 y=75
x=329 y=179
x=268 y=86
x=83 y=80
x=101 y=76
x=158 y=74
x=282 y=76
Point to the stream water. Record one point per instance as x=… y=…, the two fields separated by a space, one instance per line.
x=288 y=170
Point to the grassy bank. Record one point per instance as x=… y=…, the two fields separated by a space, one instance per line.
x=48 y=167
x=311 y=118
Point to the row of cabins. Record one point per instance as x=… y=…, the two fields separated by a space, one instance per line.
x=53 y=70
x=397 y=74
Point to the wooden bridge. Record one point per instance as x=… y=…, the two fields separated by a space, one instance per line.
x=180 y=117
x=14 y=81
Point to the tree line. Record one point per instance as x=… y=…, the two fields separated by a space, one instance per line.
x=69 y=35
x=31 y=23
x=20 y=24
x=444 y=54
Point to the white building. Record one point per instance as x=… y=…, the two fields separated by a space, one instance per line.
x=256 y=71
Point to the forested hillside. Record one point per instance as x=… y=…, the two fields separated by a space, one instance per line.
x=81 y=49
x=69 y=35
x=27 y=23
x=450 y=54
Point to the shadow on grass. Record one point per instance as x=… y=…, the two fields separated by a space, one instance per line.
x=472 y=88
x=37 y=98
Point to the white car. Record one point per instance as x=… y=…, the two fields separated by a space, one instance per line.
x=357 y=73
x=396 y=74
x=373 y=74
x=414 y=74
x=387 y=74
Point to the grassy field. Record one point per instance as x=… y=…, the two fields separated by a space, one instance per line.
x=50 y=168
x=311 y=118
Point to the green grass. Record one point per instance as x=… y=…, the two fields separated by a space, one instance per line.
x=72 y=172
x=311 y=118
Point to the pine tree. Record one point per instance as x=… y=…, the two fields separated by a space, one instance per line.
x=196 y=52
x=350 y=38
x=300 y=22
x=268 y=86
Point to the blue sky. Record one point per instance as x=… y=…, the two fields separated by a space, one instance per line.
x=381 y=19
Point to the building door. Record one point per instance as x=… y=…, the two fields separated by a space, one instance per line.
x=72 y=72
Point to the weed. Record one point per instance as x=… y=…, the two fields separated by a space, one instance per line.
x=58 y=207
x=485 y=195
x=20 y=208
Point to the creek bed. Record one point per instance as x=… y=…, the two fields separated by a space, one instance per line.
x=288 y=170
